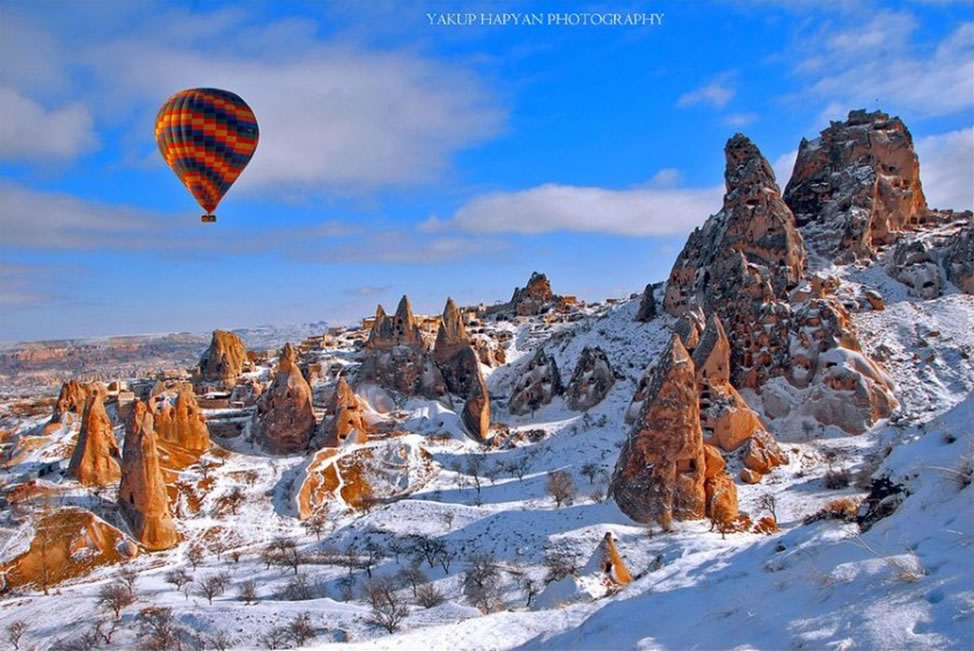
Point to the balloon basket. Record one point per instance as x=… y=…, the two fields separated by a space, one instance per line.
x=208 y=218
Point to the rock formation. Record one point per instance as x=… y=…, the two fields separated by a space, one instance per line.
x=725 y=417
x=659 y=476
x=720 y=492
x=607 y=564
x=856 y=186
x=647 y=305
x=914 y=263
x=223 y=361
x=476 y=410
x=959 y=261
x=71 y=400
x=345 y=422
x=533 y=298
x=591 y=381
x=246 y=392
x=179 y=420
x=95 y=461
x=454 y=356
x=284 y=421
x=925 y=262
x=397 y=357
x=538 y=383
x=142 y=493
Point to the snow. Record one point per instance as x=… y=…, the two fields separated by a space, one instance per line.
x=905 y=582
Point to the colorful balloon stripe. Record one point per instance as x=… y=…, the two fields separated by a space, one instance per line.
x=207 y=136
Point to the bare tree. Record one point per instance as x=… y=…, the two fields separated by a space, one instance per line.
x=769 y=503
x=411 y=576
x=115 y=597
x=531 y=588
x=15 y=631
x=209 y=587
x=481 y=581
x=590 y=470
x=300 y=629
x=195 y=555
x=387 y=609
x=561 y=487
x=275 y=638
x=428 y=596
x=104 y=631
x=428 y=549
x=128 y=576
x=397 y=547
x=559 y=565
x=374 y=552
x=298 y=589
x=234 y=499
x=157 y=629
x=45 y=540
x=219 y=641
x=178 y=577
x=248 y=591
x=475 y=470
x=518 y=468
x=317 y=523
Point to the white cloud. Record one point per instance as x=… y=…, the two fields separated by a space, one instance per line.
x=740 y=119
x=29 y=131
x=946 y=169
x=396 y=247
x=783 y=166
x=552 y=207
x=877 y=63
x=335 y=117
x=716 y=93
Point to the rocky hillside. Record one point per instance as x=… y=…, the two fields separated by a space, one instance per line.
x=772 y=448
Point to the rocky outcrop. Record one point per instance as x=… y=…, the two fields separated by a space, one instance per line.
x=914 y=263
x=606 y=563
x=67 y=543
x=70 y=402
x=179 y=420
x=647 y=305
x=454 y=356
x=720 y=492
x=345 y=422
x=725 y=417
x=223 y=362
x=142 y=495
x=857 y=186
x=534 y=298
x=959 y=261
x=659 y=476
x=591 y=381
x=752 y=244
x=95 y=461
x=246 y=392
x=538 y=383
x=284 y=421
x=360 y=477
x=397 y=357
x=476 y=411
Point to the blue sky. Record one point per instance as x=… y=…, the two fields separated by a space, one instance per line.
x=398 y=156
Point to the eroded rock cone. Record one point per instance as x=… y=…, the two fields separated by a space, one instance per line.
x=454 y=356
x=856 y=186
x=725 y=416
x=591 y=381
x=607 y=563
x=754 y=223
x=538 y=383
x=181 y=420
x=223 y=361
x=476 y=410
x=289 y=352
x=400 y=329
x=284 y=420
x=647 y=305
x=346 y=421
x=659 y=476
x=71 y=400
x=95 y=461
x=142 y=495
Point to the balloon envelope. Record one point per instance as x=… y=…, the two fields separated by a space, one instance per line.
x=207 y=137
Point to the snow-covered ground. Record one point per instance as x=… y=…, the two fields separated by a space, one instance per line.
x=905 y=582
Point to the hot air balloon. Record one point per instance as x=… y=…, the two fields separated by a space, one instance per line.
x=207 y=137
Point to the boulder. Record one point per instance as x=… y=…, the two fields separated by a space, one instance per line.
x=659 y=476
x=95 y=461
x=538 y=383
x=142 y=495
x=223 y=362
x=959 y=261
x=284 y=420
x=179 y=420
x=762 y=454
x=914 y=263
x=647 y=305
x=857 y=186
x=591 y=381
x=875 y=300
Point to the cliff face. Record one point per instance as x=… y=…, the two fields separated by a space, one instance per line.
x=857 y=186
